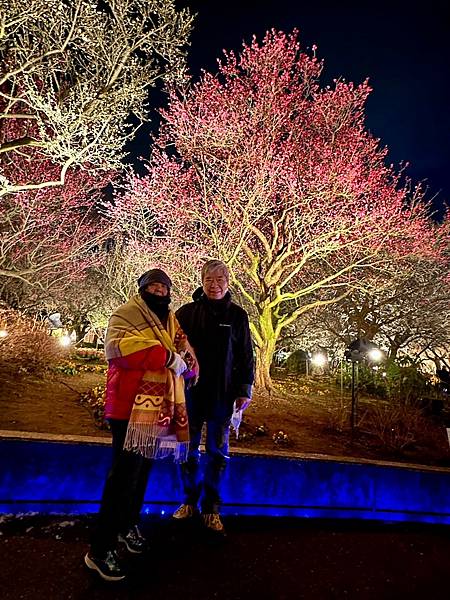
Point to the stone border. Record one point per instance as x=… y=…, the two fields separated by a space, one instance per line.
x=87 y=439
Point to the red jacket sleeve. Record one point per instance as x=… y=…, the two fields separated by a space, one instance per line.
x=149 y=359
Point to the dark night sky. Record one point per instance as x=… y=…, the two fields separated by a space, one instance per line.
x=403 y=48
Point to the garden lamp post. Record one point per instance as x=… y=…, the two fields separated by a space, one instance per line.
x=358 y=351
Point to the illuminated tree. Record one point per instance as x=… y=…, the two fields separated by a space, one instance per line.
x=73 y=73
x=141 y=241
x=279 y=178
x=49 y=236
x=406 y=311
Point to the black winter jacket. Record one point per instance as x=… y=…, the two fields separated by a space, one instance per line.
x=219 y=332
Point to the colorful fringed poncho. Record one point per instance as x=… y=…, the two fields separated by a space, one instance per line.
x=158 y=424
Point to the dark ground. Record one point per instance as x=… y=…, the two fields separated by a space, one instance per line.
x=307 y=410
x=264 y=559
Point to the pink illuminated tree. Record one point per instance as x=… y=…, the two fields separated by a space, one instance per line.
x=49 y=236
x=261 y=167
x=144 y=239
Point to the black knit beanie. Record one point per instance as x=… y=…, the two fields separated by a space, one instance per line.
x=154 y=276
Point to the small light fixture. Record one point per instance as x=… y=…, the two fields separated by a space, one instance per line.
x=319 y=360
x=375 y=355
x=3 y=333
x=65 y=340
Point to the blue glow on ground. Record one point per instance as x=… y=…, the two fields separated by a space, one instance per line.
x=47 y=477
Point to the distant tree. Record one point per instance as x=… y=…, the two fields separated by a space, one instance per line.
x=410 y=317
x=84 y=305
x=73 y=73
x=405 y=310
x=141 y=241
x=49 y=236
x=280 y=179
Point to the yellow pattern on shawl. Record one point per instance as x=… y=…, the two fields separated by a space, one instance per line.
x=158 y=423
x=129 y=330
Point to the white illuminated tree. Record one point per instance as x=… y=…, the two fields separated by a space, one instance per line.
x=72 y=73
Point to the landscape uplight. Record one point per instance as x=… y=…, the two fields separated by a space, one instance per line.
x=319 y=360
x=375 y=355
x=3 y=333
x=65 y=340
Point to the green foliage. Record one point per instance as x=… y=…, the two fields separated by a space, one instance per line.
x=72 y=367
x=391 y=380
x=66 y=368
x=83 y=360
x=407 y=384
x=296 y=362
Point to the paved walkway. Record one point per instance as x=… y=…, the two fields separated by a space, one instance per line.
x=41 y=557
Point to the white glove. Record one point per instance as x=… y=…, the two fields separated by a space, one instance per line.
x=177 y=364
x=236 y=419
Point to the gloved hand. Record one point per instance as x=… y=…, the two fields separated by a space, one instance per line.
x=176 y=364
x=236 y=419
x=242 y=403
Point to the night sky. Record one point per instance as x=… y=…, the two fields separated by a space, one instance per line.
x=403 y=48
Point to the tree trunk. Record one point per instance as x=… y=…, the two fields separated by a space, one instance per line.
x=263 y=380
x=265 y=350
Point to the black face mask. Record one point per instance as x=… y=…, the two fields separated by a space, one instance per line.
x=158 y=304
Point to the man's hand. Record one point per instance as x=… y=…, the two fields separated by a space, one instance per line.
x=242 y=403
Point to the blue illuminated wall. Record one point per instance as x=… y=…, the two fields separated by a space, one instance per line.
x=68 y=477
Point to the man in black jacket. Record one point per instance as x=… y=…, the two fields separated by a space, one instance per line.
x=219 y=332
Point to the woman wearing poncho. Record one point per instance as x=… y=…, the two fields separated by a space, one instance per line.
x=149 y=359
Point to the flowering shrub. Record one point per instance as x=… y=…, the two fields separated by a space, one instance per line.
x=70 y=367
x=25 y=346
x=89 y=353
x=281 y=438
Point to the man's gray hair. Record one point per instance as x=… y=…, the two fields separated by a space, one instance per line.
x=211 y=266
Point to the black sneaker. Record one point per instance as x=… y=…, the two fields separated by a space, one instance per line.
x=108 y=567
x=134 y=540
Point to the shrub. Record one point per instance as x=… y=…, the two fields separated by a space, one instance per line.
x=398 y=382
x=94 y=399
x=407 y=384
x=296 y=362
x=396 y=425
x=368 y=381
x=338 y=416
x=27 y=347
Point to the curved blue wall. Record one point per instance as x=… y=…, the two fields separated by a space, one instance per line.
x=48 y=476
